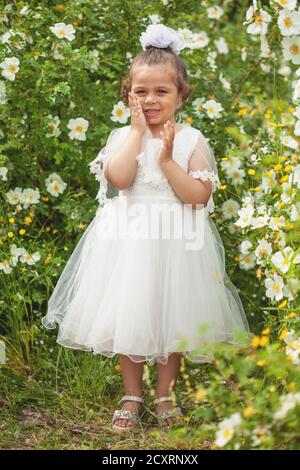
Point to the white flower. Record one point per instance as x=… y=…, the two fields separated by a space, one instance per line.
x=14 y=196
x=200 y=40
x=30 y=258
x=215 y=12
x=248 y=261
x=55 y=185
x=289 y=4
x=15 y=253
x=245 y=215
x=231 y=163
x=288 y=402
x=291 y=49
x=63 y=31
x=3 y=173
x=5 y=267
x=289 y=141
x=213 y=109
x=30 y=196
x=258 y=222
x=276 y=222
x=236 y=175
x=78 y=128
x=289 y=22
x=268 y=181
x=56 y=188
x=3 y=99
x=285 y=71
x=274 y=286
x=10 y=67
x=282 y=259
x=263 y=250
x=24 y=10
x=162 y=36
x=226 y=429
x=55 y=121
x=260 y=23
x=245 y=247
x=120 y=113
x=297 y=128
x=226 y=84
x=222 y=46
x=230 y=208
x=296 y=94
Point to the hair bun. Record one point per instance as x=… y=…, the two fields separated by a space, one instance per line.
x=161 y=36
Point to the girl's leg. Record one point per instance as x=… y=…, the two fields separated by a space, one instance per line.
x=132 y=374
x=166 y=380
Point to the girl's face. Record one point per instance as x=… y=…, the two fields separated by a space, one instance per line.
x=155 y=88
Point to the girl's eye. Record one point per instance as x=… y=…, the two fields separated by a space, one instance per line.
x=160 y=91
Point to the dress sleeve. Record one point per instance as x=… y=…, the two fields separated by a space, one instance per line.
x=98 y=166
x=202 y=163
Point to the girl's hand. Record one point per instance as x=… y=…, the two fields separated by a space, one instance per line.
x=166 y=152
x=138 y=120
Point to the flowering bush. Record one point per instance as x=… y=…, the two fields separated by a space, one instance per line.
x=61 y=68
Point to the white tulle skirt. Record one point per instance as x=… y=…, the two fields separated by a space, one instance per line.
x=145 y=298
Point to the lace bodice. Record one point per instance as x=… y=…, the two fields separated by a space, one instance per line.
x=150 y=179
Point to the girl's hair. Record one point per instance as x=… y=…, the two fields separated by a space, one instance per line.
x=155 y=55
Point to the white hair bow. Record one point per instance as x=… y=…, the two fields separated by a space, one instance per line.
x=159 y=35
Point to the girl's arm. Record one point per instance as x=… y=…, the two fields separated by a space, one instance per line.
x=120 y=170
x=187 y=188
x=201 y=179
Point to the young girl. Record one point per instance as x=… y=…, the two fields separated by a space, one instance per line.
x=145 y=297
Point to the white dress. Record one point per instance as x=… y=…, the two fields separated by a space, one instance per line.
x=127 y=291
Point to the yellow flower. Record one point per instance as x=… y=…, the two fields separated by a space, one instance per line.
x=27 y=220
x=11 y=220
x=274 y=124
x=118 y=367
x=283 y=333
x=272 y=389
x=290 y=315
x=283 y=179
x=288 y=168
x=283 y=304
x=266 y=331
x=200 y=394
x=45 y=198
x=261 y=363
x=282 y=158
x=278 y=167
x=255 y=342
x=189 y=120
x=10 y=234
x=292 y=387
x=249 y=411
x=59 y=7
x=264 y=340
x=251 y=172
x=22 y=231
x=80 y=225
x=224 y=158
x=224 y=186
x=294 y=158
x=55 y=230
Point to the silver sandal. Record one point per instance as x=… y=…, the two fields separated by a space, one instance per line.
x=127 y=414
x=175 y=413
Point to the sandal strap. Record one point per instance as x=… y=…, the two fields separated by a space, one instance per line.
x=131 y=398
x=125 y=414
x=161 y=399
x=174 y=413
